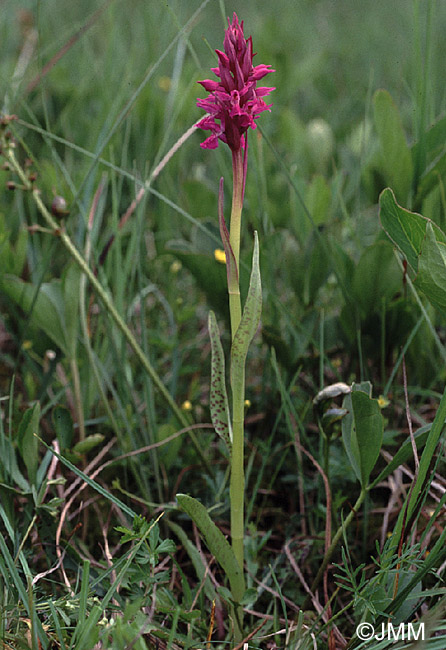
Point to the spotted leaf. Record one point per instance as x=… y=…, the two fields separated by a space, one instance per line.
x=220 y=415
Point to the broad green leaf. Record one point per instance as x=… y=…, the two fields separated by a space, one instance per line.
x=27 y=442
x=362 y=432
x=216 y=542
x=249 y=322
x=46 y=311
x=405 y=229
x=396 y=158
x=349 y=437
x=219 y=405
x=431 y=277
x=377 y=276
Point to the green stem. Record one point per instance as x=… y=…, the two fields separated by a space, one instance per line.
x=235 y=307
x=107 y=302
x=237 y=482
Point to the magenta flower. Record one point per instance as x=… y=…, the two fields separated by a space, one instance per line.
x=234 y=101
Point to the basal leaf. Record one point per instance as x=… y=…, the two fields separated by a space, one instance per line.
x=249 y=322
x=216 y=542
x=369 y=428
x=362 y=432
x=405 y=229
x=349 y=436
x=219 y=405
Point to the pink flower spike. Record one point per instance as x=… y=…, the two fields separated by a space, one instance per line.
x=234 y=101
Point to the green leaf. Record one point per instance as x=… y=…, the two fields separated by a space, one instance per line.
x=318 y=199
x=431 y=177
x=216 y=542
x=249 y=597
x=96 y=486
x=9 y=467
x=27 y=442
x=63 y=426
x=431 y=277
x=404 y=453
x=377 y=276
x=225 y=595
x=362 y=432
x=196 y=560
x=12 y=256
x=249 y=322
x=89 y=443
x=46 y=310
x=405 y=229
x=219 y=405
x=396 y=158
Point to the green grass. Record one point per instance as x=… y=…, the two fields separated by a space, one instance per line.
x=83 y=564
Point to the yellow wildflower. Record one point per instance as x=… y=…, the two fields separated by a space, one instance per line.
x=220 y=256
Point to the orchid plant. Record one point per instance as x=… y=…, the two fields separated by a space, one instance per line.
x=234 y=103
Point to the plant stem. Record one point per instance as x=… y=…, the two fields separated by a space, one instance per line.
x=107 y=302
x=237 y=482
x=235 y=307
